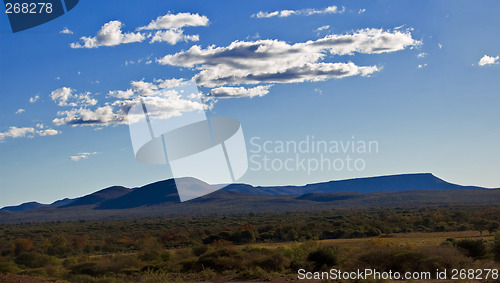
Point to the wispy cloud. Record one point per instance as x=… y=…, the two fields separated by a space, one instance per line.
x=488 y=60
x=20 y=111
x=175 y=21
x=66 y=31
x=323 y=28
x=421 y=55
x=82 y=155
x=274 y=61
x=234 y=92
x=65 y=96
x=110 y=34
x=173 y=36
x=27 y=132
x=303 y=12
x=34 y=99
x=163 y=103
x=168 y=28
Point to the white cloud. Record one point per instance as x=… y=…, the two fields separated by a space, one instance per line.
x=103 y=115
x=158 y=107
x=274 y=61
x=34 y=99
x=420 y=66
x=488 y=60
x=306 y=12
x=168 y=83
x=440 y=46
x=121 y=94
x=66 y=31
x=232 y=92
x=82 y=155
x=142 y=88
x=62 y=95
x=421 y=55
x=162 y=102
x=65 y=96
x=110 y=34
x=361 y=11
x=323 y=28
x=15 y=132
x=20 y=111
x=28 y=132
x=172 y=36
x=48 y=132
x=168 y=29
x=176 y=21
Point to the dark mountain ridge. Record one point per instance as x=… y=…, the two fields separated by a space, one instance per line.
x=161 y=198
x=402 y=182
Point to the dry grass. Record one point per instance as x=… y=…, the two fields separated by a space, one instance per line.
x=398 y=239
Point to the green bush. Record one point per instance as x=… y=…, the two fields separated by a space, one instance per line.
x=373 y=232
x=220 y=259
x=35 y=260
x=8 y=267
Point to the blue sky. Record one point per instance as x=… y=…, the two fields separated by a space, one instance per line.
x=418 y=77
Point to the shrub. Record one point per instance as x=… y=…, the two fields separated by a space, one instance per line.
x=323 y=257
x=403 y=259
x=199 y=249
x=220 y=259
x=35 y=260
x=22 y=246
x=244 y=237
x=88 y=268
x=373 y=232
x=8 y=267
x=275 y=262
x=472 y=248
x=496 y=249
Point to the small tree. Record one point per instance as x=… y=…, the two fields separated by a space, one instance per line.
x=21 y=246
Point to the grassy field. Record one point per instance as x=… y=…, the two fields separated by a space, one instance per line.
x=251 y=247
x=395 y=239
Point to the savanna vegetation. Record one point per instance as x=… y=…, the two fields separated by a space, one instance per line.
x=253 y=246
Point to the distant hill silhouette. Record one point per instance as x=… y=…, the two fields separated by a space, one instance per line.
x=403 y=182
x=155 y=193
x=100 y=196
x=62 y=202
x=161 y=198
x=23 y=207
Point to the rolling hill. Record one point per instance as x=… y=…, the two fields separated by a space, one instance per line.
x=161 y=199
